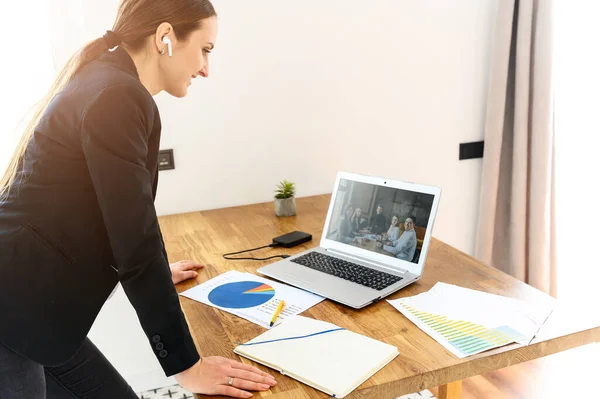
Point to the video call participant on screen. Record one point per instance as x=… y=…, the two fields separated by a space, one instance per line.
x=379 y=223
x=357 y=222
x=404 y=247
x=344 y=230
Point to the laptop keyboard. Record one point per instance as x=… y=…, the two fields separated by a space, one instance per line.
x=348 y=271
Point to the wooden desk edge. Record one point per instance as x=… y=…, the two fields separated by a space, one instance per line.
x=481 y=365
x=451 y=386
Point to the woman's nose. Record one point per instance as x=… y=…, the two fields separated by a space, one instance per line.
x=204 y=71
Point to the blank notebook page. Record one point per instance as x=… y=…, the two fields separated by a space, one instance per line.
x=334 y=362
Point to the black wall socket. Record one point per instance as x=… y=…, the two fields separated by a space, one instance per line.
x=166 y=160
x=470 y=150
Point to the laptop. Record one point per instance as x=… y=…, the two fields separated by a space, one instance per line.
x=374 y=241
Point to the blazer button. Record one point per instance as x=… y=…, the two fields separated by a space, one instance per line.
x=156 y=338
x=159 y=346
x=163 y=353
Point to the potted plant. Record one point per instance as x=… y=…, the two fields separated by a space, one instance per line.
x=285 y=200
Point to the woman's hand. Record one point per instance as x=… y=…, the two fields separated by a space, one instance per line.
x=215 y=375
x=184 y=270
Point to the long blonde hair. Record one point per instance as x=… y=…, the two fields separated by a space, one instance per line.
x=136 y=20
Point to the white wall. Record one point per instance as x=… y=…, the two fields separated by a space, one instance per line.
x=300 y=90
x=27 y=74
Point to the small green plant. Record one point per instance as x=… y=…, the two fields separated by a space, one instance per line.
x=285 y=189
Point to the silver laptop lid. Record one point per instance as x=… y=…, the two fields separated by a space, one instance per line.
x=384 y=220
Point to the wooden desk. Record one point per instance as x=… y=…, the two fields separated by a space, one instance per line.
x=422 y=363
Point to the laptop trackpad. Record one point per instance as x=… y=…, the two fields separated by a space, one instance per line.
x=316 y=281
x=306 y=278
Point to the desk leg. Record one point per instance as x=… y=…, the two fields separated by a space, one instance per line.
x=450 y=391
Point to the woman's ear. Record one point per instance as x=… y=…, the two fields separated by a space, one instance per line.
x=164 y=30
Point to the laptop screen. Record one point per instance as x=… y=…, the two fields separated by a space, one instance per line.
x=385 y=220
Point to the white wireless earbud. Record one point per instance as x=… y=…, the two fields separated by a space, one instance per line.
x=167 y=41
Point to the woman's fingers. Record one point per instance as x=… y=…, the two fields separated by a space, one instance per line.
x=190 y=265
x=249 y=385
x=252 y=377
x=247 y=367
x=189 y=274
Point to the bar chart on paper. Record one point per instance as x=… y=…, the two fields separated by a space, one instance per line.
x=466 y=337
x=467 y=322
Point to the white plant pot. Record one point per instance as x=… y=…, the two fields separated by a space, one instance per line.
x=285 y=207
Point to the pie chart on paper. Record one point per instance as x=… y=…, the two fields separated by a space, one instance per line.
x=241 y=294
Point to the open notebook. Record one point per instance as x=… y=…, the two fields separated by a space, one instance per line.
x=320 y=354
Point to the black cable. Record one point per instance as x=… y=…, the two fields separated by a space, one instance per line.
x=227 y=256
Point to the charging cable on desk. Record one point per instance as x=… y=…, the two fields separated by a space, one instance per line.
x=228 y=256
x=288 y=240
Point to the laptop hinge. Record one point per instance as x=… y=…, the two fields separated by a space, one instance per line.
x=366 y=260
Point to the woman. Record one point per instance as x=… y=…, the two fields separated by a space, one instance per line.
x=394 y=231
x=344 y=230
x=77 y=215
x=357 y=222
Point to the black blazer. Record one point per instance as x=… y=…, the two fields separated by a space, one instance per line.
x=81 y=217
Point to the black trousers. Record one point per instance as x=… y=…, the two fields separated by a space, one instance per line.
x=88 y=375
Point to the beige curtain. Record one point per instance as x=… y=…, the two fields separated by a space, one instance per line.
x=516 y=214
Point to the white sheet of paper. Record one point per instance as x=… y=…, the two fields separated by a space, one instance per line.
x=252 y=297
x=490 y=311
